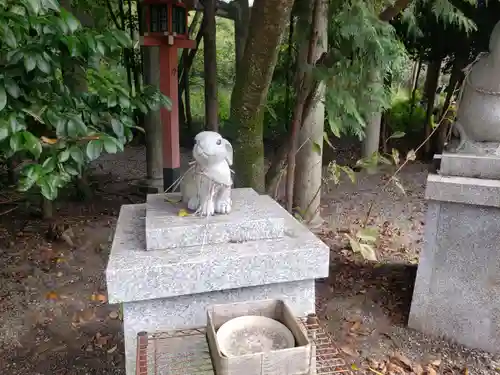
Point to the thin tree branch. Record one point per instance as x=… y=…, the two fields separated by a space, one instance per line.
x=112 y=14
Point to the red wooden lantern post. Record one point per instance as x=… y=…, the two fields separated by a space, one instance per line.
x=164 y=24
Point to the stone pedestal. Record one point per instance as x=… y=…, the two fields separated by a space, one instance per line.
x=257 y=252
x=457 y=290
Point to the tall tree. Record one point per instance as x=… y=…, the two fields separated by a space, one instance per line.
x=210 y=65
x=241 y=19
x=308 y=172
x=267 y=23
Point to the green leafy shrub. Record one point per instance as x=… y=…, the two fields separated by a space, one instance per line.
x=406 y=116
x=46 y=117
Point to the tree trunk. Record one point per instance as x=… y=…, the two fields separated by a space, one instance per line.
x=210 y=66
x=431 y=84
x=308 y=172
x=267 y=23
x=455 y=77
x=415 y=88
x=241 y=19
x=413 y=77
x=372 y=132
x=152 y=120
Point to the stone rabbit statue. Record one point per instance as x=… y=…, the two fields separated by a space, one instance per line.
x=206 y=187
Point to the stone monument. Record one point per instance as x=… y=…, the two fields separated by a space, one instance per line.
x=167 y=269
x=478 y=115
x=457 y=290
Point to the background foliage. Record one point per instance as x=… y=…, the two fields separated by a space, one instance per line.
x=61 y=102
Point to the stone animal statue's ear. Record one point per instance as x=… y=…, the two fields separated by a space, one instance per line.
x=229 y=152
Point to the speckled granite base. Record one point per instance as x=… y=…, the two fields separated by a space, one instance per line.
x=172 y=288
x=134 y=274
x=191 y=311
x=475 y=166
x=457 y=290
x=252 y=217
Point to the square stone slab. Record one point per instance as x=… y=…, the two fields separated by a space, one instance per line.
x=253 y=217
x=134 y=274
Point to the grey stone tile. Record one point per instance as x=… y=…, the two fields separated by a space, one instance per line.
x=472 y=191
x=475 y=166
x=253 y=217
x=457 y=291
x=135 y=274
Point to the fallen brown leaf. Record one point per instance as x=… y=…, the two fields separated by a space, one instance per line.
x=435 y=362
x=349 y=351
x=375 y=371
x=99 y=298
x=355 y=326
x=430 y=371
x=395 y=368
x=52 y=296
x=418 y=369
x=101 y=340
x=402 y=359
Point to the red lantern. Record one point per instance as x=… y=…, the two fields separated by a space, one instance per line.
x=164 y=22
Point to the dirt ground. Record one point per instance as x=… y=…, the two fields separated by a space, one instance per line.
x=55 y=318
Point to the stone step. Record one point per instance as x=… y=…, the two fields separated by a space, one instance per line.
x=134 y=274
x=253 y=217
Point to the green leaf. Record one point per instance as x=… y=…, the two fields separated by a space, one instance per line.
x=63 y=156
x=34 y=6
x=49 y=164
x=71 y=170
x=367 y=234
x=76 y=127
x=43 y=65
x=51 y=4
x=25 y=184
x=32 y=144
x=77 y=155
x=29 y=62
x=367 y=252
x=110 y=145
x=3 y=98
x=326 y=139
x=334 y=127
x=32 y=171
x=117 y=127
x=350 y=173
x=124 y=101
x=397 y=135
x=15 y=125
x=112 y=101
x=355 y=245
x=70 y=20
x=12 y=87
x=4 y=131
x=48 y=191
x=395 y=156
x=16 y=142
x=122 y=38
x=9 y=37
x=316 y=147
x=94 y=149
x=166 y=102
